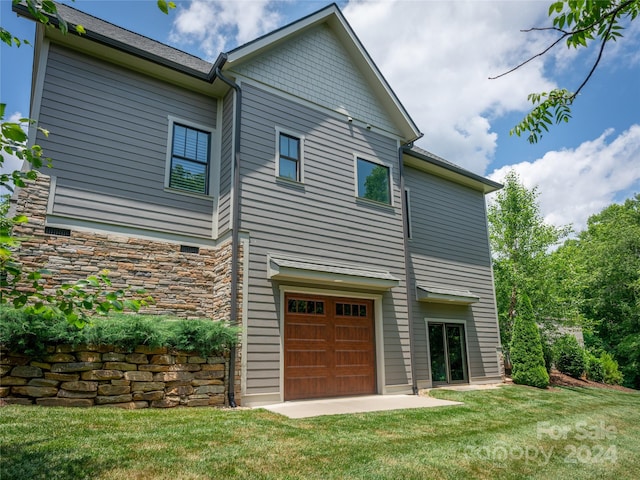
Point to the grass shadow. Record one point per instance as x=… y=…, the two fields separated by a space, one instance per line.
x=35 y=460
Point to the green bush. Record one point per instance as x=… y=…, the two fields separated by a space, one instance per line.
x=30 y=334
x=526 y=349
x=125 y=331
x=200 y=336
x=612 y=374
x=595 y=369
x=547 y=353
x=569 y=357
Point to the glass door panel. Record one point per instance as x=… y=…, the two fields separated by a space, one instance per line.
x=438 y=354
x=448 y=353
x=455 y=349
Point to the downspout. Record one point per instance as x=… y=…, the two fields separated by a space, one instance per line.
x=235 y=236
x=407 y=264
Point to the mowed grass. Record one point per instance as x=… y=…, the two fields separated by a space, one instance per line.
x=512 y=432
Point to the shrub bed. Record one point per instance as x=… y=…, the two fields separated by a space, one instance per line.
x=31 y=334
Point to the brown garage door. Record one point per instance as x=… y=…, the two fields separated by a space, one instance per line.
x=329 y=347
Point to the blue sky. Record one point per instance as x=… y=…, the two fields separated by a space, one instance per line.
x=437 y=56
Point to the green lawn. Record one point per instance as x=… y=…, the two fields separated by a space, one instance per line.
x=589 y=433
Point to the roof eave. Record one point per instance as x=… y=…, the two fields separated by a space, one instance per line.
x=22 y=10
x=434 y=165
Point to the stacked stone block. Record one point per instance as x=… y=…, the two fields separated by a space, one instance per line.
x=87 y=376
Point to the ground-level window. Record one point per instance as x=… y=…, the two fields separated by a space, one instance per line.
x=190 y=158
x=289 y=157
x=374 y=181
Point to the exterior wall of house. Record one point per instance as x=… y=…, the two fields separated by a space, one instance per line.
x=449 y=247
x=108 y=142
x=316 y=67
x=320 y=218
x=183 y=284
x=226 y=165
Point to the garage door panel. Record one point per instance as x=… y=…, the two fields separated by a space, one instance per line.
x=351 y=358
x=298 y=331
x=353 y=333
x=329 y=347
x=299 y=387
x=297 y=358
x=352 y=384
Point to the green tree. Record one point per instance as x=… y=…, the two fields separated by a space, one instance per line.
x=609 y=250
x=578 y=23
x=526 y=348
x=376 y=185
x=520 y=243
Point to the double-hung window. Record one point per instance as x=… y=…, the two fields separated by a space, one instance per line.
x=190 y=159
x=289 y=157
x=374 y=181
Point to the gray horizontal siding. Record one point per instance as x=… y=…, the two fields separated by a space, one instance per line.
x=320 y=219
x=449 y=247
x=108 y=143
x=226 y=165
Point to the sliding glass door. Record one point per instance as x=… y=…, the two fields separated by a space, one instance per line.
x=448 y=353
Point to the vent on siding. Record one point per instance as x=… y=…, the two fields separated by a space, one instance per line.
x=189 y=249
x=62 y=232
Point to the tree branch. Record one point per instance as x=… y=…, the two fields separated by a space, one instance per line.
x=612 y=13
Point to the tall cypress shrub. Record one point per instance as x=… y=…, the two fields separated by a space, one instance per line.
x=526 y=348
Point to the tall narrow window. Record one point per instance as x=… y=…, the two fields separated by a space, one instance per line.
x=289 y=157
x=407 y=203
x=190 y=154
x=373 y=181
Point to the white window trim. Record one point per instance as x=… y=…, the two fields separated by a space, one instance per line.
x=212 y=167
x=371 y=159
x=300 y=137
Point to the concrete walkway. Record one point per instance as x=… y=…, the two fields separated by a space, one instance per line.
x=368 y=403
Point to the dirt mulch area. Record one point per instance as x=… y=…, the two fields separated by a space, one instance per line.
x=557 y=379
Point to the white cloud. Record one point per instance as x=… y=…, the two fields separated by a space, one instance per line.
x=438 y=56
x=218 y=26
x=574 y=184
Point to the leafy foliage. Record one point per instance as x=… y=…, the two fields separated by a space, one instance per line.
x=579 y=23
x=548 y=107
x=526 y=348
x=13 y=141
x=520 y=241
x=31 y=333
x=609 y=249
x=612 y=374
x=595 y=369
x=569 y=356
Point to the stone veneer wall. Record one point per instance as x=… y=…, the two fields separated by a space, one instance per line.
x=183 y=284
x=103 y=376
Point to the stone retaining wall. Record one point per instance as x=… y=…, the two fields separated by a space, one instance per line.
x=106 y=376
